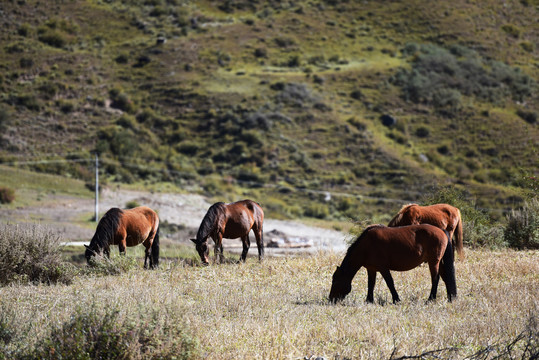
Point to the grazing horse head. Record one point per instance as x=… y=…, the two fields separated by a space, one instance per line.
x=90 y=253
x=203 y=250
x=340 y=287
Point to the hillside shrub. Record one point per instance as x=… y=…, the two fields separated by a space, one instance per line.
x=32 y=254
x=528 y=116
x=120 y=100
x=316 y=210
x=7 y=195
x=512 y=30
x=5 y=119
x=24 y=29
x=98 y=332
x=439 y=77
x=522 y=230
x=29 y=101
x=527 y=46
x=53 y=38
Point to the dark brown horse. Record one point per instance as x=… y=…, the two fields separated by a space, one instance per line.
x=444 y=216
x=230 y=221
x=381 y=249
x=127 y=228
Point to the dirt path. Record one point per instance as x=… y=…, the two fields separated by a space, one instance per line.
x=70 y=216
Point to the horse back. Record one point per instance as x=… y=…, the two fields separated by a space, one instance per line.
x=137 y=225
x=403 y=248
x=241 y=217
x=441 y=215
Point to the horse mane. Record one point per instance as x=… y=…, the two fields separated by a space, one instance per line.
x=209 y=221
x=106 y=228
x=398 y=218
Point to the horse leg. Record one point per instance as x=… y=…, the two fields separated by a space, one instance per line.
x=447 y=282
x=447 y=273
x=435 y=277
x=391 y=285
x=218 y=250
x=122 y=247
x=372 y=282
x=122 y=241
x=148 y=255
x=246 y=245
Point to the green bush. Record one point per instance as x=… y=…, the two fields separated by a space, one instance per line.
x=439 y=77
x=316 y=210
x=132 y=204
x=512 y=30
x=522 y=230
x=31 y=254
x=7 y=195
x=105 y=333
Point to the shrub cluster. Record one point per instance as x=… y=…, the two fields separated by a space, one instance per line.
x=31 y=254
x=98 y=332
x=522 y=230
x=7 y=195
x=440 y=77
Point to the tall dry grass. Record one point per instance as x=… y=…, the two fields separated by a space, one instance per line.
x=278 y=309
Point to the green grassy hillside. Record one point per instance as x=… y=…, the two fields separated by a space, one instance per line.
x=279 y=101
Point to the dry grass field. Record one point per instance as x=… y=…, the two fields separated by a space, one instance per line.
x=278 y=309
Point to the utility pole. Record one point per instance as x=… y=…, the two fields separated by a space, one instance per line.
x=96 y=188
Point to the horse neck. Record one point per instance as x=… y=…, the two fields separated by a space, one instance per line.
x=354 y=259
x=106 y=228
x=350 y=265
x=207 y=226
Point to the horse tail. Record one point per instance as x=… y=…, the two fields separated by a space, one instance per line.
x=458 y=239
x=155 y=248
x=448 y=262
x=258 y=213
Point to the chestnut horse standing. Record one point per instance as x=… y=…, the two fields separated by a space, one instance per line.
x=381 y=249
x=444 y=216
x=230 y=221
x=127 y=228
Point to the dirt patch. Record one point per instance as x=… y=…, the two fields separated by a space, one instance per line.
x=182 y=213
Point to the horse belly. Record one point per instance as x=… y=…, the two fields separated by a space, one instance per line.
x=134 y=238
x=235 y=230
x=408 y=260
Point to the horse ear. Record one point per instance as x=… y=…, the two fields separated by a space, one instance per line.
x=86 y=246
x=194 y=240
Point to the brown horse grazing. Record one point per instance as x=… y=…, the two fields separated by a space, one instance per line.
x=127 y=228
x=381 y=249
x=444 y=216
x=230 y=221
